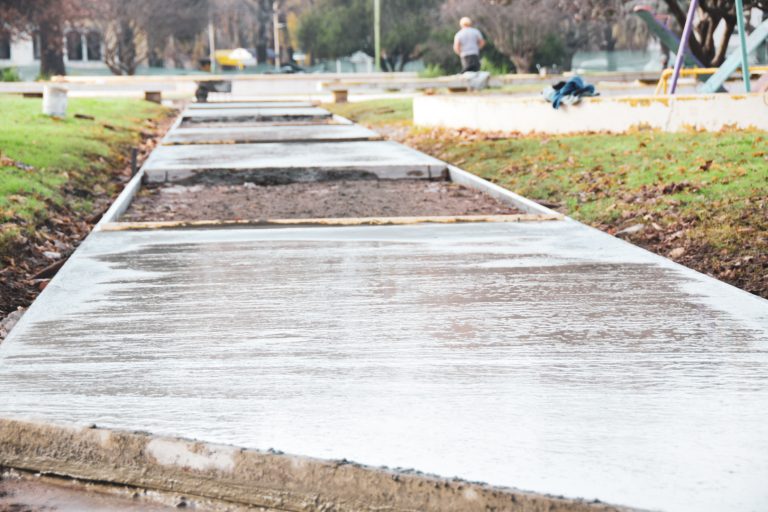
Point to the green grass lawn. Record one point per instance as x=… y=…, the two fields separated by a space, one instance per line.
x=702 y=195
x=376 y=113
x=47 y=162
x=643 y=172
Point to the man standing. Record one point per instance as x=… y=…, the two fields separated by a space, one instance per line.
x=467 y=44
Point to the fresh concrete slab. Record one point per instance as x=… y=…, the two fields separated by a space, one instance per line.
x=544 y=356
x=250 y=104
x=288 y=163
x=270 y=133
x=254 y=115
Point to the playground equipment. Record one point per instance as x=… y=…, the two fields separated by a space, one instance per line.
x=663 y=85
x=731 y=64
x=684 y=43
x=743 y=43
x=717 y=79
x=658 y=27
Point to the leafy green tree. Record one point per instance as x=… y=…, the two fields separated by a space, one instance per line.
x=337 y=28
x=406 y=27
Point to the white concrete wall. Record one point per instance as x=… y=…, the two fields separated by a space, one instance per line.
x=22 y=53
x=528 y=115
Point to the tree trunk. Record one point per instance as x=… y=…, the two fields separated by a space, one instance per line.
x=51 y=48
x=264 y=21
x=127 y=48
x=388 y=63
x=523 y=62
x=609 y=45
x=722 y=53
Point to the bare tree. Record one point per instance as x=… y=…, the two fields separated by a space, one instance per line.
x=711 y=14
x=605 y=25
x=249 y=23
x=133 y=28
x=48 y=17
x=516 y=28
x=519 y=28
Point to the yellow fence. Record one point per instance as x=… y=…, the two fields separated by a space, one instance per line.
x=663 y=85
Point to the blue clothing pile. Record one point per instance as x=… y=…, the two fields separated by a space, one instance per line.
x=569 y=92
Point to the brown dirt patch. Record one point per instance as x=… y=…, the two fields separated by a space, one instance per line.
x=335 y=199
x=742 y=263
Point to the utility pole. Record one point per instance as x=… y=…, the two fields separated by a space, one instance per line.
x=276 y=23
x=212 y=44
x=377 y=32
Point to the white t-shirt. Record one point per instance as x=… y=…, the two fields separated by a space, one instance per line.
x=469 y=38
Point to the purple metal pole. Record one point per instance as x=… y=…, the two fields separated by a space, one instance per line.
x=680 y=57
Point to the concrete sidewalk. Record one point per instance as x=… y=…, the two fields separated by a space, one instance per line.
x=267 y=134
x=276 y=161
x=544 y=356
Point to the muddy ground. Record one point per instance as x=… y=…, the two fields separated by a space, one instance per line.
x=34 y=494
x=25 y=492
x=335 y=199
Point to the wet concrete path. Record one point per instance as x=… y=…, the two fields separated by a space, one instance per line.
x=256 y=134
x=381 y=159
x=218 y=116
x=544 y=355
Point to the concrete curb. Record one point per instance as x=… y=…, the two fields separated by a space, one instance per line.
x=533 y=212
x=249 y=477
x=122 y=202
x=329 y=222
x=469 y=180
x=505 y=113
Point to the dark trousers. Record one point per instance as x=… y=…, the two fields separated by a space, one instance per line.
x=470 y=63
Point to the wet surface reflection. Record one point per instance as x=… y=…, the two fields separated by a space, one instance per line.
x=598 y=372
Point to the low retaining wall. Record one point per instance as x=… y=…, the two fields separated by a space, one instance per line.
x=248 y=477
x=711 y=112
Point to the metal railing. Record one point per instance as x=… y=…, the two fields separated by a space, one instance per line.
x=662 y=88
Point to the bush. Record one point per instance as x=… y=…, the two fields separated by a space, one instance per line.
x=494 y=68
x=439 y=51
x=9 y=75
x=432 y=71
x=494 y=61
x=552 y=53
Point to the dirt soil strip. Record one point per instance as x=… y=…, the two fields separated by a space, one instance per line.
x=337 y=199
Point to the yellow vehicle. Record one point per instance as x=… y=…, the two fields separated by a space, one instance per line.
x=234 y=59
